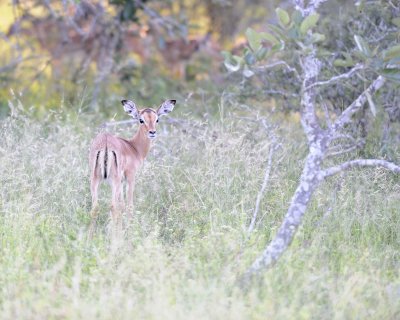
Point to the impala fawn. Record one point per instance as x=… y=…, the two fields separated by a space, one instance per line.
x=114 y=159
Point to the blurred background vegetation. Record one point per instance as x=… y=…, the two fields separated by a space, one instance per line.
x=86 y=55
x=92 y=53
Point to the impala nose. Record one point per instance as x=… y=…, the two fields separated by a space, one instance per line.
x=152 y=134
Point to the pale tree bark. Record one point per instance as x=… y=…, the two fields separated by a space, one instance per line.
x=318 y=143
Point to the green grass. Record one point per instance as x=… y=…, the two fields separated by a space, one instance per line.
x=186 y=245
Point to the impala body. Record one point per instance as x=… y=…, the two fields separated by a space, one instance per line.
x=116 y=159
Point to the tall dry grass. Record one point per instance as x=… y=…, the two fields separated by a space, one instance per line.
x=187 y=243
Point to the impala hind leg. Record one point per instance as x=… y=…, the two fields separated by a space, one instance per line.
x=116 y=187
x=94 y=190
x=122 y=197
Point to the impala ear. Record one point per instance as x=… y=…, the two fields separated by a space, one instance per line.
x=166 y=107
x=130 y=108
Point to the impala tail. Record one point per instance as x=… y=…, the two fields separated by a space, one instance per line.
x=104 y=161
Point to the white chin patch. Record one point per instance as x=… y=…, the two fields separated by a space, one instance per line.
x=151 y=136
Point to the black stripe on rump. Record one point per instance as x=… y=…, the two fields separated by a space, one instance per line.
x=105 y=163
x=115 y=160
x=97 y=161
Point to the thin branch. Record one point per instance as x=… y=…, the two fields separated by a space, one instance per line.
x=357 y=104
x=346 y=75
x=167 y=22
x=310 y=8
x=326 y=113
x=344 y=136
x=47 y=5
x=280 y=63
x=281 y=93
x=314 y=4
x=18 y=56
x=36 y=76
x=169 y=119
x=299 y=5
x=85 y=9
x=11 y=66
x=324 y=216
x=186 y=126
x=392 y=5
x=264 y=185
x=342 y=150
x=360 y=163
x=117 y=123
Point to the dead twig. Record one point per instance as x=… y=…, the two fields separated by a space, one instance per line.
x=264 y=185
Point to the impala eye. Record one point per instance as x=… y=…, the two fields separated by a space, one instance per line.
x=157 y=121
x=141 y=120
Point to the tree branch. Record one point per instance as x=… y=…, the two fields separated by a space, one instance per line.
x=360 y=163
x=326 y=114
x=299 y=5
x=281 y=93
x=344 y=137
x=168 y=23
x=279 y=63
x=11 y=66
x=341 y=150
x=357 y=104
x=272 y=149
x=311 y=67
x=346 y=75
x=310 y=8
x=313 y=5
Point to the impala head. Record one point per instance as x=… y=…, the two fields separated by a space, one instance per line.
x=148 y=117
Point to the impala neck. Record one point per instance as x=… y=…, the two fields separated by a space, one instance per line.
x=141 y=142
